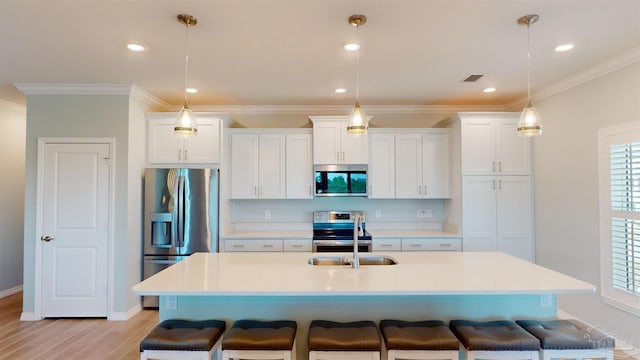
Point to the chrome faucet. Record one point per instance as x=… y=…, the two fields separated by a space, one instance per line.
x=358 y=230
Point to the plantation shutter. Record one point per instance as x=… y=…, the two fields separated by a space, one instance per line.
x=625 y=226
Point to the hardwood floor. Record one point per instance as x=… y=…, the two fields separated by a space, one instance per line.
x=70 y=339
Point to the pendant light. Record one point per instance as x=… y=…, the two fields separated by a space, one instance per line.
x=186 y=122
x=530 y=123
x=357 y=120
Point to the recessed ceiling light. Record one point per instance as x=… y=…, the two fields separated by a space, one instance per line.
x=191 y=90
x=564 y=47
x=136 y=47
x=489 y=90
x=340 y=91
x=352 y=47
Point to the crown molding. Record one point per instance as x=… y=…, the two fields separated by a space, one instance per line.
x=342 y=109
x=621 y=61
x=146 y=97
x=13 y=107
x=74 y=89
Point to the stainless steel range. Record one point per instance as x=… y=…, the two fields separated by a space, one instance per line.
x=333 y=231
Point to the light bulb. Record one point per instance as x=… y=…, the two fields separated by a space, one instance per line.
x=530 y=123
x=185 y=122
x=357 y=121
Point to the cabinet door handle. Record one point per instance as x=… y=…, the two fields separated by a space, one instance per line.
x=238 y=246
x=179 y=154
x=500 y=166
x=296 y=246
x=186 y=152
x=337 y=155
x=493 y=166
x=425 y=190
x=267 y=245
x=415 y=245
x=445 y=245
x=419 y=190
x=499 y=184
x=343 y=156
x=386 y=245
x=255 y=190
x=494 y=184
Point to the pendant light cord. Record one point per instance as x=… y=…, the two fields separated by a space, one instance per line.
x=529 y=63
x=186 y=64
x=358 y=64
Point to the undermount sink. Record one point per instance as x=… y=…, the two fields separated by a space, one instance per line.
x=340 y=260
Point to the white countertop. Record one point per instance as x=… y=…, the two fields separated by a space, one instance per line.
x=417 y=273
x=269 y=234
x=413 y=234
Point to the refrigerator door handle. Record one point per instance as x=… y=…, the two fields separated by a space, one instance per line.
x=181 y=219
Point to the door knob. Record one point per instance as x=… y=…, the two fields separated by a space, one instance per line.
x=46 y=238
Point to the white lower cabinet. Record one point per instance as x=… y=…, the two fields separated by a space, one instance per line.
x=497 y=215
x=431 y=244
x=386 y=244
x=254 y=245
x=291 y=245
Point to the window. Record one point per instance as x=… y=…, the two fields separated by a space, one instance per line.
x=619 y=169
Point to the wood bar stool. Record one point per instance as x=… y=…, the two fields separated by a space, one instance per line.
x=329 y=340
x=254 y=339
x=183 y=339
x=570 y=339
x=419 y=340
x=495 y=340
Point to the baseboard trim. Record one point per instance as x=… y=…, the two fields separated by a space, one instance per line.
x=124 y=316
x=622 y=346
x=11 y=291
x=29 y=316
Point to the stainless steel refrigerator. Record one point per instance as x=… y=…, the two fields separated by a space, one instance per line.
x=180 y=217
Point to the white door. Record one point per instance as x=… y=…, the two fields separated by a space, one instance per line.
x=478 y=146
x=299 y=166
x=326 y=142
x=513 y=151
x=435 y=166
x=75 y=224
x=408 y=166
x=244 y=166
x=355 y=148
x=271 y=163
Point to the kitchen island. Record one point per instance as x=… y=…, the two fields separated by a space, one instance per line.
x=422 y=286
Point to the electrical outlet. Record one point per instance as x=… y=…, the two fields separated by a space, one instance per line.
x=421 y=213
x=424 y=213
x=428 y=213
x=267 y=214
x=546 y=300
x=171 y=302
x=378 y=213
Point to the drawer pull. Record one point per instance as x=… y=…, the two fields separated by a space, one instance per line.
x=386 y=245
x=445 y=245
x=296 y=245
x=267 y=245
x=415 y=245
x=238 y=246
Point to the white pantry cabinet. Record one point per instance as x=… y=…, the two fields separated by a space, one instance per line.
x=165 y=147
x=490 y=145
x=257 y=166
x=497 y=215
x=332 y=144
x=299 y=166
x=422 y=164
x=381 y=173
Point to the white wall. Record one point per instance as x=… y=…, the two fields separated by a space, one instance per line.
x=566 y=188
x=12 y=147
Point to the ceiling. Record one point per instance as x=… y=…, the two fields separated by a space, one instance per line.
x=289 y=52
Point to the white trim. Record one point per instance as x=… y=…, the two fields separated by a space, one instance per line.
x=42 y=141
x=148 y=98
x=30 y=316
x=124 y=316
x=611 y=296
x=10 y=291
x=613 y=64
x=343 y=110
x=13 y=107
x=74 y=89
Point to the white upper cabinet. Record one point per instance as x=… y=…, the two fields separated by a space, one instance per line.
x=257 y=166
x=422 y=164
x=490 y=145
x=382 y=170
x=165 y=147
x=299 y=166
x=332 y=144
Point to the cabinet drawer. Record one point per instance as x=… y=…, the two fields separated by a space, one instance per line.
x=387 y=245
x=235 y=245
x=431 y=244
x=297 y=245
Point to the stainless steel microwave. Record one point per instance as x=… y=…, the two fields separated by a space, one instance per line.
x=341 y=180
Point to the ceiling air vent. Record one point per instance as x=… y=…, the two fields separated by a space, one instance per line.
x=473 y=77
